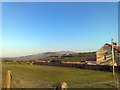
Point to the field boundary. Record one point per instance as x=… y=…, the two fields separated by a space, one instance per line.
x=81 y=66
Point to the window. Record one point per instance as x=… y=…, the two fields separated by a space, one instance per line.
x=104 y=57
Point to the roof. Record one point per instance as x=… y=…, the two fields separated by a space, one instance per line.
x=115 y=47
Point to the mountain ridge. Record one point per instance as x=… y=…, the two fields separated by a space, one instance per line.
x=40 y=55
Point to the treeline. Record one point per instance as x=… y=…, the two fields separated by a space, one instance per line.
x=17 y=61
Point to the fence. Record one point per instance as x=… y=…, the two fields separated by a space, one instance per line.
x=16 y=81
x=81 y=66
x=8 y=83
x=11 y=83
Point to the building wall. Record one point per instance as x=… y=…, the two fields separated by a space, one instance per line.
x=117 y=58
x=91 y=62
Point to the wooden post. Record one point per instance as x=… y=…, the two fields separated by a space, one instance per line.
x=117 y=82
x=8 y=80
x=115 y=76
x=64 y=86
x=113 y=58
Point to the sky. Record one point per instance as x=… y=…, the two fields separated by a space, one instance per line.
x=31 y=28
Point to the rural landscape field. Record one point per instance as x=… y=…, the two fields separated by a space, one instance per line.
x=33 y=76
x=60 y=45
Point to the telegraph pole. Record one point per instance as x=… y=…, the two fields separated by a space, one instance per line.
x=113 y=61
x=113 y=58
x=116 y=79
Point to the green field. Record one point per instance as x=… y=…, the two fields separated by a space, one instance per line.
x=33 y=76
x=79 y=57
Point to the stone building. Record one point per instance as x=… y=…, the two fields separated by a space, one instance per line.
x=104 y=55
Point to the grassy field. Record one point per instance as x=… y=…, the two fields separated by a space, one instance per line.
x=33 y=76
x=73 y=57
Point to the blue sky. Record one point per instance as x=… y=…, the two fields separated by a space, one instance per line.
x=30 y=28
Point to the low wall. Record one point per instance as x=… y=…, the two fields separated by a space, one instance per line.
x=81 y=66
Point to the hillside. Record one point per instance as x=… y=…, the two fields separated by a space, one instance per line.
x=75 y=57
x=66 y=56
x=38 y=56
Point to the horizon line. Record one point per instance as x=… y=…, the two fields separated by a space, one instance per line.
x=46 y=52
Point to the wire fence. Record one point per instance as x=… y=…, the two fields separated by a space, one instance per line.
x=18 y=81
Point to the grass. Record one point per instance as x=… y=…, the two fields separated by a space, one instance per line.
x=66 y=59
x=74 y=57
x=33 y=76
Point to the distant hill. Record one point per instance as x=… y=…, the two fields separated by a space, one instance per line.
x=39 y=56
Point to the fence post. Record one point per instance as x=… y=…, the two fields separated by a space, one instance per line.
x=8 y=80
x=64 y=86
